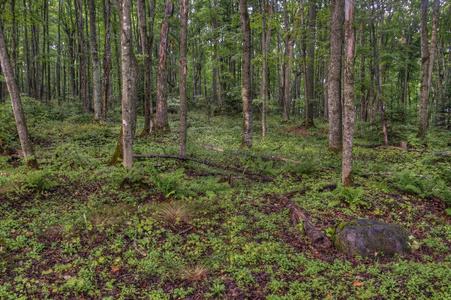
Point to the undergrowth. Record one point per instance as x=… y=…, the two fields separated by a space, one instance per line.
x=78 y=228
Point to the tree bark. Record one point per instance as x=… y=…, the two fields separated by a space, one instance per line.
x=348 y=87
x=334 y=78
x=107 y=64
x=266 y=40
x=19 y=116
x=147 y=43
x=310 y=73
x=246 y=76
x=81 y=54
x=425 y=57
x=97 y=93
x=129 y=82
x=433 y=48
x=184 y=8
x=161 y=120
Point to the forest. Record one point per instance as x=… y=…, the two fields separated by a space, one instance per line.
x=217 y=149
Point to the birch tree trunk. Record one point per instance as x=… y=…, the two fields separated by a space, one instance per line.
x=19 y=116
x=129 y=82
x=246 y=76
x=95 y=62
x=184 y=7
x=334 y=80
x=348 y=87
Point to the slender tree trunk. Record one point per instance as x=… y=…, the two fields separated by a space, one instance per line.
x=378 y=81
x=425 y=57
x=348 y=88
x=310 y=73
x=107 y=64
x=147 y=43
x=287 y=66
x=19 y=116
x=27 y=50
x=82 y=57
x=266 y=40
x=184 y=8
x=97 y=93
x=161 y=120
x=433 y=48
x=129 y=82
x=246 y=76
x=58 y=59
x=334 y=80
x=214 y=24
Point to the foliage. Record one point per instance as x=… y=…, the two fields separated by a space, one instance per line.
x=350 y=195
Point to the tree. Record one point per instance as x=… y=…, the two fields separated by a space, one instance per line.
x=19 y=116
x=146 y=45
x=107 y=65
x=95 y=62
x=266 y=41
x=246 y=76
x=310 y=65
x=425 y=57
x=184 y=7
x=129 y=82
x=334 y=76
x=161 y=119
x=348 y=88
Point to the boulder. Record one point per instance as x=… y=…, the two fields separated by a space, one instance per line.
x=372 y=238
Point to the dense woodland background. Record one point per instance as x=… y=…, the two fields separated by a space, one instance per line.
x=69 y=51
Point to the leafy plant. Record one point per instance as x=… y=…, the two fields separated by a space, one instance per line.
x=408 y=182
x=167 y=183
x=350 y=195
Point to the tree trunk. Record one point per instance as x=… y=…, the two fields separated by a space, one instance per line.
x=161 y=120
x=266 y=40
x=184 y=7
x=19 y=116
x=146 y=43
x=27 y=51
x=129 y=82
x=310 y=74
x=97 y=93
x=348 y=88
x=424 y=92
x=435 y=13
x=246 y=76
x=81 y=54
x=334 y=78
x=378 y=84
x=107 y=64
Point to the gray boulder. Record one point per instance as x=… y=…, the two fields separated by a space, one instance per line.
x=372 y=238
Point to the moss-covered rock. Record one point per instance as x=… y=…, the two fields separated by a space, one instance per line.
x=372 y=238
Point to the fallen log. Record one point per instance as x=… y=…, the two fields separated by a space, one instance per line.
x=269 y=157
x=206 y=162
x=319 y=240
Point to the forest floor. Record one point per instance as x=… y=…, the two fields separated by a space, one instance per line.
x=80 y=229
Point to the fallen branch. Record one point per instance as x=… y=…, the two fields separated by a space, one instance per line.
x=269 y=157
x=297 y=216
x=205 y=162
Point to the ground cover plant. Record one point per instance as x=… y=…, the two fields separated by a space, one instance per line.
x=164 y=229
